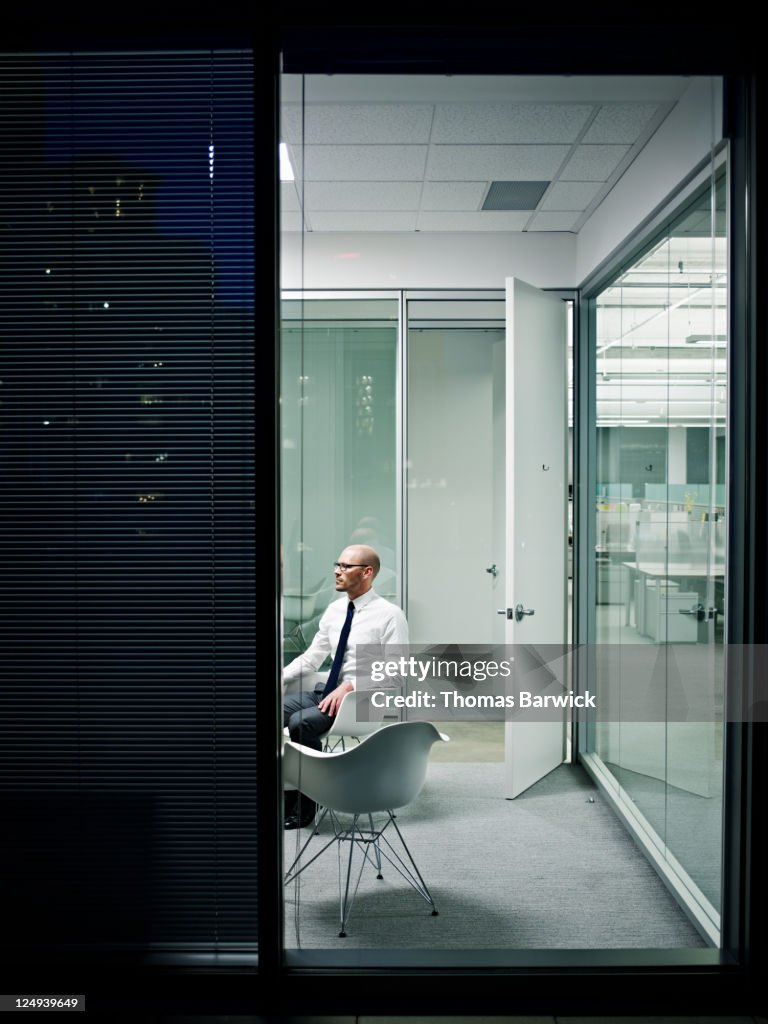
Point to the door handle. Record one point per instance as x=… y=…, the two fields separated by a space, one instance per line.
x=493 y=570
x=699 y=612
x=515 y=613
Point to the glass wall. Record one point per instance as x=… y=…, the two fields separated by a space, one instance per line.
x=339 y=454
x=338 y=406
x=659 y=519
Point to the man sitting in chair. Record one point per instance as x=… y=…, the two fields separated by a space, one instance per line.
x=360 y=617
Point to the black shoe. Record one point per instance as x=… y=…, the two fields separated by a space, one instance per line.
x=303 y=815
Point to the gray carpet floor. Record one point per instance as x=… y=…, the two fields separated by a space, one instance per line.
x=553 y=869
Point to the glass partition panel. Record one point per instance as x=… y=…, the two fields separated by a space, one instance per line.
x=339 y=460
x=660 y=543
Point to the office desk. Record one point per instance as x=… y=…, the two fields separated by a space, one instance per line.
x=658 y=571
x=611 y=576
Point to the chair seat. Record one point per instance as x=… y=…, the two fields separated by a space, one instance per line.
x=383 y=772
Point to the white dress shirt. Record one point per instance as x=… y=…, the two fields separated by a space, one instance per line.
x=376 y=621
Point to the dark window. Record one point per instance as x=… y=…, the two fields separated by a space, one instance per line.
x=128 y=718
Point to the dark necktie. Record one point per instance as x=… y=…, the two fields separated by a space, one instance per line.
x=333 y=675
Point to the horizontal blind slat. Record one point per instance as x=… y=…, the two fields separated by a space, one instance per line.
x=128 y=702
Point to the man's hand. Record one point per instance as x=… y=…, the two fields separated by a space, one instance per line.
x=330 y=705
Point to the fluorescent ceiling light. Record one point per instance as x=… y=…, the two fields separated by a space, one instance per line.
x=662 y=312
x=286 y=171
x=623 y=423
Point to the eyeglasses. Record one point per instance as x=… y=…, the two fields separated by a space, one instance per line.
x=343 y=566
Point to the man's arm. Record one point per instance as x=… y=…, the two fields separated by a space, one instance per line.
x=314 y=656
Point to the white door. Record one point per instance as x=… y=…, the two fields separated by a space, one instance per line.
x=535 y=513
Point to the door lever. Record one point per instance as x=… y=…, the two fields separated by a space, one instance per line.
x=699 y=612
x=493 y=570
x=517 y=613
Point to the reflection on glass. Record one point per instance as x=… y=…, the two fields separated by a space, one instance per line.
x=338 y=451
x=660 y=537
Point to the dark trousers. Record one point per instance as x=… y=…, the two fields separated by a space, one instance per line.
x=306 y=723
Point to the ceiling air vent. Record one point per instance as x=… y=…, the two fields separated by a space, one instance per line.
x=514 y=195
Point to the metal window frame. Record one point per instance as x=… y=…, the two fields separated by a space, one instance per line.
x=620 y=42
x=710 y=981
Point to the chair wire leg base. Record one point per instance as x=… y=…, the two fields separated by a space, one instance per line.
x=411 y=874
x=294 y=870
x=376 y=848
x=346 y=901
x=374 y=845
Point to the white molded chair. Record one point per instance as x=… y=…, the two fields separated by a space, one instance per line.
x=346 y=723
x=384 y=772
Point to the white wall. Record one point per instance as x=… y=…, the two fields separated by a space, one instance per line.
x=422 y=260
x=684 y=139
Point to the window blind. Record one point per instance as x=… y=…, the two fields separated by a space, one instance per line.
x=127 y=727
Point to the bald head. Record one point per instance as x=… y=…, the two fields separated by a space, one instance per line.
x=362 y=564
x=362 y=553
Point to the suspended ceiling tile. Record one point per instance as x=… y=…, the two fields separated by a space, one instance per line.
x=517 y=123
x=453 y=195
x=455 y=221
x=362 y=195
x=553 y=221
x=571 y=195
x=290 y=221
x=289 y=200
x=375 y=220
x=364 y=163
x=504 y=163
x=367 y=123
x=291 y=128
x=593 y=163
x=620 y=122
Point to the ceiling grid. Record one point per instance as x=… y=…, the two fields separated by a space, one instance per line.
x=425 y=155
